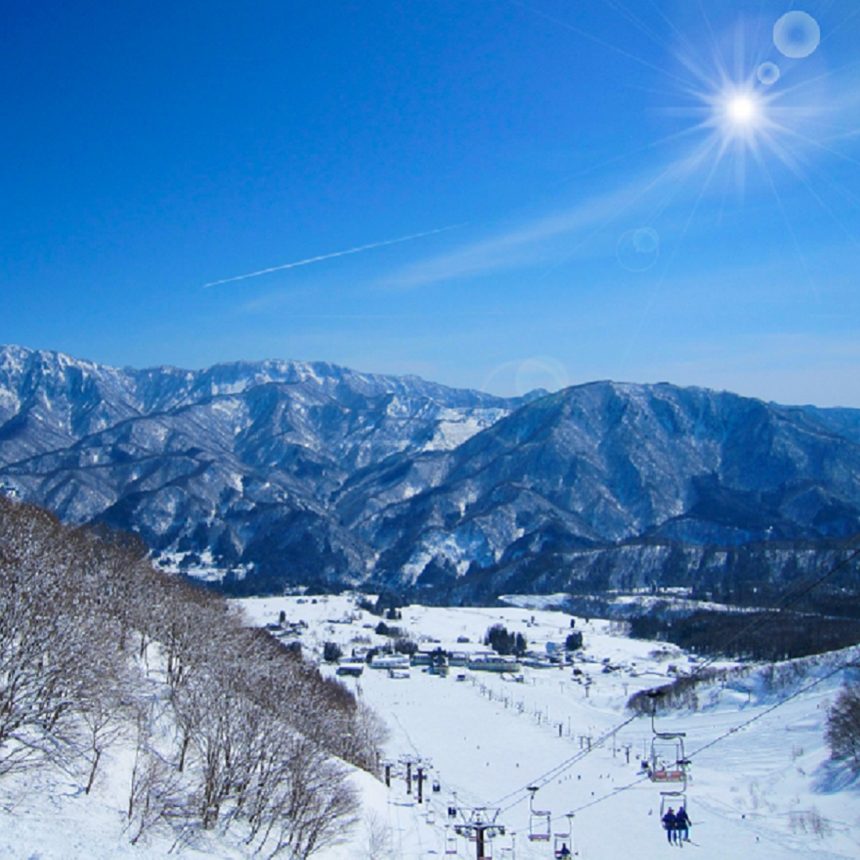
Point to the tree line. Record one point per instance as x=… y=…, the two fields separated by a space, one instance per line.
x=228 y=729
x=751 y=635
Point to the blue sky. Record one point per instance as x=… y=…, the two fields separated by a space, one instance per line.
x=577 y=190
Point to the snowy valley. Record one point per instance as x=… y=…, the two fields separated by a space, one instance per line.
x=665 y=526
x=761 y=783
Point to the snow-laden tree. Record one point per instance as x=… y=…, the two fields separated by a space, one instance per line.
x=843 y=726
x=54 y=658
x=228 y=728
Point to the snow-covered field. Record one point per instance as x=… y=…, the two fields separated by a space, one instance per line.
x=764 y=791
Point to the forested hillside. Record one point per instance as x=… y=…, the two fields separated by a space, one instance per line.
x=277 y=474
x=226 y=729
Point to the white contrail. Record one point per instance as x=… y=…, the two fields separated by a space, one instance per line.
x=321 y=257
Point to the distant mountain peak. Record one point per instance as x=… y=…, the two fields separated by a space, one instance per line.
x=295 y=472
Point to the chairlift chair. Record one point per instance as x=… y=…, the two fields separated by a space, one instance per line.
x=673 y=799
x=668 y=759
x=563 y=842
x=450 y=841
x=668 y=762
x=540 y=820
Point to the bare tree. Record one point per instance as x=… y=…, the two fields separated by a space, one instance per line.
x=103 y=724
x=157 y=793
x=843 y=726
x=254 y=727
x=46 y=639
x=378 y=837
x=312 y=809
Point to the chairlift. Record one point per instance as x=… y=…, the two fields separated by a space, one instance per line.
x=673 y=799
x=563 y=842
x=450 y=841
x=452 y=807
x=668 y=761
x=540 y=820
x=676 y=800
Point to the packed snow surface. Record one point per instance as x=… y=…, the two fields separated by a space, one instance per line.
x=765 y=791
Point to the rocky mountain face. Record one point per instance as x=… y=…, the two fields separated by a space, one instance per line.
x=237 y=463
x=286 y=473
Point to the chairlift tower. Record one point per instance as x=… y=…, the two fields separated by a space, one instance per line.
x=481 y=827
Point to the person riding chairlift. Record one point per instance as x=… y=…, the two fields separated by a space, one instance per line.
x=564 y=852
x=682 y=824
x=670 y=823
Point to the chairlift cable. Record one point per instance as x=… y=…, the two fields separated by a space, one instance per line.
x=790 y=599
x=615 y=791
x=773 y=707
x=734 y=730
x=551 y=774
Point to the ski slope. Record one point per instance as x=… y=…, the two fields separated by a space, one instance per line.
x=764 y=791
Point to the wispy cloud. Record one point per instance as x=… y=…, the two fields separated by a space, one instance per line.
x=531 y=242
x=788 y=367
x=318 y=259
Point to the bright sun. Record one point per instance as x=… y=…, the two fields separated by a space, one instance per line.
x=741 y=115
x=742 y=110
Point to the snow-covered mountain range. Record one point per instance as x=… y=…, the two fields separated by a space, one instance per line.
x=292 y=473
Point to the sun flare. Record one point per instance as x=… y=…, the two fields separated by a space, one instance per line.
x=739 y=113
x=742 y=110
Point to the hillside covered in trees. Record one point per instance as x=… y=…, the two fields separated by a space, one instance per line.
x=274 y=474
x=226 y=729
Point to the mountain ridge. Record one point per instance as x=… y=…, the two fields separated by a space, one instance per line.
x=293 y=473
